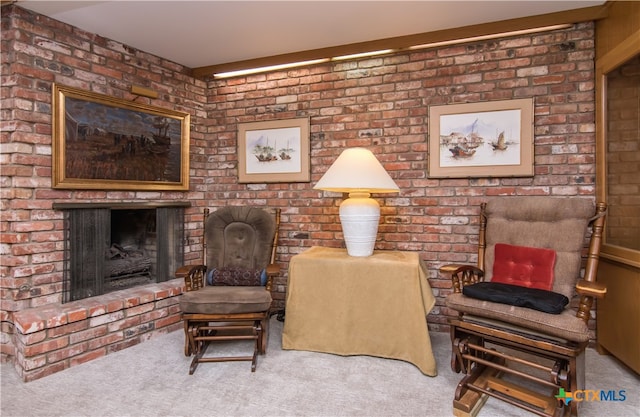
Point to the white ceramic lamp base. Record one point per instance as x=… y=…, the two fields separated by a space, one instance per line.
x=359 y=216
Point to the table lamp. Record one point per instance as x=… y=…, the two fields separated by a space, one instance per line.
x=358 y=172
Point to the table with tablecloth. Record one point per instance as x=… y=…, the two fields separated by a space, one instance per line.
x=375 y=305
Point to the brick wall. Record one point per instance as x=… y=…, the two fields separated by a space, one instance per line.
x=380 y=103
x=36 y=328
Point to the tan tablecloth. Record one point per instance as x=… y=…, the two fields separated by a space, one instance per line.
x=375 y=305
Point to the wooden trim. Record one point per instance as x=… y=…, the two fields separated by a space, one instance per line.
x=621 y=255
x=617 y=56
x=623 y=19
x=620 y=54
x=404 y=42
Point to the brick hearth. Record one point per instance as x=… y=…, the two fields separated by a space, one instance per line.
x=54 y=337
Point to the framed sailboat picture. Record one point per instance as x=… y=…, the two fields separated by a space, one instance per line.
x=489 y=139
x=274 y=151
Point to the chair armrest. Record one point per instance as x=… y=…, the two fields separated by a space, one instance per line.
x=273 y=269
x=591 y=289
x=194 y=276
x=183 y=271
x=462 y=275
x=588 y=290
x=450 y=268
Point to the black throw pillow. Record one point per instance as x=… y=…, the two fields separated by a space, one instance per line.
x=515 y=295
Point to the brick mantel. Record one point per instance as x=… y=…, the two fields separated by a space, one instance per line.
x=118 y=205
x=54 y=337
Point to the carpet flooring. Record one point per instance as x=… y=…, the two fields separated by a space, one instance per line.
x=151 y=379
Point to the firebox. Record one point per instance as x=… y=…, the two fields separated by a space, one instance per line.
x=115 y=246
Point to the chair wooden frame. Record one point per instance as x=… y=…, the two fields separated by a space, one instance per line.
x=487 y=350
x=202 y=329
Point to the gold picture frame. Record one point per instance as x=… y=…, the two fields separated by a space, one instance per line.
x=103 y=142
x=274 y=151
x=489 y=139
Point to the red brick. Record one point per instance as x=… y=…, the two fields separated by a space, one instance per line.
x=86 y=357
x=44 y=371
x=154 y=315
x=123 y=345
x=140 y=309
x=63 y=354
x=106 y=318
x=77 y=315
x=96 y=309
x=44 y=347
x=124 y=324
x=68 y=329
x=33 y=338
x=169 y=321
x=114 y=305
x=29 y=322
x=104 y=341
x=88 y=334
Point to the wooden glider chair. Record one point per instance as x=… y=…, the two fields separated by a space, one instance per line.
x=229 y=298
x=517 y=336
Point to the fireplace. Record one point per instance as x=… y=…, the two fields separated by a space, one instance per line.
x=131 y=258
x=116 y=246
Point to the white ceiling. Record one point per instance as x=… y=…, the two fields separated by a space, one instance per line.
x=211 y=32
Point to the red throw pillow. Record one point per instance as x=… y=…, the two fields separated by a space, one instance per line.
x=524 y=266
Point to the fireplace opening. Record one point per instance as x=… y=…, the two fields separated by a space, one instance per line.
x=118 y=247
x=130 y=259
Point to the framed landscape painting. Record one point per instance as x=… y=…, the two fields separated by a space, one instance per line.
x=274 y=151
x=489 y=139
x=102 y=142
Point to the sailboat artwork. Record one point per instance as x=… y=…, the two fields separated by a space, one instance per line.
x=501 y=144
x=273 y=150
x=480 y=139
x=267 y=153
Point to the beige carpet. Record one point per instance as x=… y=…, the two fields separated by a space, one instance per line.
x=152 y=379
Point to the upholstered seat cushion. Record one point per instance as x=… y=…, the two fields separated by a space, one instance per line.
x=226 y=300
x=564 y=325
x=515 y=295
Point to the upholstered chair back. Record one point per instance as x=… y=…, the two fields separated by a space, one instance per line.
x=553 y=223
x=239 y=236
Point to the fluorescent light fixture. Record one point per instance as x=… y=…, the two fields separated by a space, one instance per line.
x=362 y=54
x=492 y=36
x=257 y=70
x=269 y=68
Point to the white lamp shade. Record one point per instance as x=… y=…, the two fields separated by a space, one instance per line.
x=358 y=172
x=357 y=169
